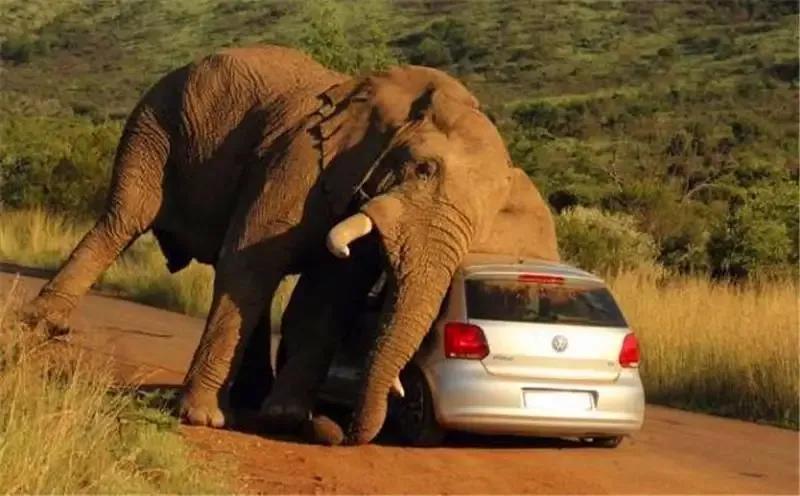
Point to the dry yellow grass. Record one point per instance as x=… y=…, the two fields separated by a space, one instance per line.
x=727 y=349
x=35 y=238
x=63 y=431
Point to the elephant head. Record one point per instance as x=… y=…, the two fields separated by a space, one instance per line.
x=408 y=155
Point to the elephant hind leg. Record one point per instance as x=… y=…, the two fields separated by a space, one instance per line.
x=96 y=251
x=134 y=201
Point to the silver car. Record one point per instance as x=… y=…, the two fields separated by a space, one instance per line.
x=520 y=347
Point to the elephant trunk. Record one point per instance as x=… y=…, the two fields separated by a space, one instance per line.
x=421 y=280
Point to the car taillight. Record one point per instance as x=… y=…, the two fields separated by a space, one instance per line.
x=541 y=279
x=464 y=341
x=629 y=354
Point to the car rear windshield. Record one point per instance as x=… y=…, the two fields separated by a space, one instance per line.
x=551 y=302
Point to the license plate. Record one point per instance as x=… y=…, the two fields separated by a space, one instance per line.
x=571 y=401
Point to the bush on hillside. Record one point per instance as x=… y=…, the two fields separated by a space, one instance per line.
x=345 y=39
x=18 y=50
x=758 y=236
x=59 y=164
x=431 y=52
x=603 y=242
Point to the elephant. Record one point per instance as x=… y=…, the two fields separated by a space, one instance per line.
x=263 y=163
x=325 y=309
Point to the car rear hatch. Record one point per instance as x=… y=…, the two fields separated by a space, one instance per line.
x=547 y=327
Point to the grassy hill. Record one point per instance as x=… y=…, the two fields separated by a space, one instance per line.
x=680 y=114
x=659 y=131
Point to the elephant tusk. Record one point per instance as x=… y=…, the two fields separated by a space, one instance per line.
x=347 y=231
x=397 y=387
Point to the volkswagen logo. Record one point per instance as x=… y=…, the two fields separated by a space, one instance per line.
x=560 y=343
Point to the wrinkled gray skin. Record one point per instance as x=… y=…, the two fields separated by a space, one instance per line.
x=250 y=158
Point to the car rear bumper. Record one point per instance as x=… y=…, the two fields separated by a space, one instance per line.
x=467 y=398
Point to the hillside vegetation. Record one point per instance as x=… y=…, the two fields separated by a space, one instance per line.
x=663 y=134
x=682 y=115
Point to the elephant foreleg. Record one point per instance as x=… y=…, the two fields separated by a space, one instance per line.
x=309 y=338
x=253 y=380
x=237 y=308
x=323 y=308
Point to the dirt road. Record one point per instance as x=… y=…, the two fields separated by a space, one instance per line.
x=677 y=452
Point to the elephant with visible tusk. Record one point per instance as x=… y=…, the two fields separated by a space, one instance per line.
x=259 y=161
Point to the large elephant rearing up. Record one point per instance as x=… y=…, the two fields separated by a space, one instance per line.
x=249 y=159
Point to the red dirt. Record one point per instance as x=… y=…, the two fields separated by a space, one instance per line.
x=676 y=452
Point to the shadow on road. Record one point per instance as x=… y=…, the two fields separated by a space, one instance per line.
x=11 y=268
x=166 y=396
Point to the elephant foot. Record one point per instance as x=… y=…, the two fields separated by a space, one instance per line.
x=47 y=315
x=250 y=390
x=203 y=410
x=284 y=416
x=322 y=430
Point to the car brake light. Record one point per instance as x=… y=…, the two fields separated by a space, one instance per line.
x=540 y=279
x=464 y=341
x=629 y=354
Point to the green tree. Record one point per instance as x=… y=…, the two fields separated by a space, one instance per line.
x=350 y=38
x=603 y=242
x=759 y=235
x=60 y=164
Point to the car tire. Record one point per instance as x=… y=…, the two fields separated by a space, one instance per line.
x=413 y=417
x=608 y=442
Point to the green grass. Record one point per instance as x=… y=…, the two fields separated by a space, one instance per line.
x=63 y=430
x=649 y=72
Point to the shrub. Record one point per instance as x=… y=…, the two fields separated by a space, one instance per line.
x=18 y=50
x=445 y=42
x=745 y=131
x=754 y=239
x=431 y=52
x=59 y=164
x=561 y=120
x=344 y=39
x=603 y=242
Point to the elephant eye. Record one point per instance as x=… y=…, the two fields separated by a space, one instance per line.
x=425 y=169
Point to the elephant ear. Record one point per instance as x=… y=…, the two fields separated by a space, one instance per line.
x=355 y=123
x=343 y=115
x=358 y=117
x=524 y=226
x=337 y=114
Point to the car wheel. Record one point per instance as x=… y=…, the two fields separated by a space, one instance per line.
x=603 y=442
x=413 y=417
